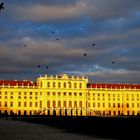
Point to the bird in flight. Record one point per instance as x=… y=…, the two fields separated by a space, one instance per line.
x=93 y=44
x=57 y=39
x=47 y=67
x=113 y=62
x=39 y=66
x=85 y=54
x=1 y=6
x=53 y=32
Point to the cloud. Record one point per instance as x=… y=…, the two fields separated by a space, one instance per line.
x=96 y=9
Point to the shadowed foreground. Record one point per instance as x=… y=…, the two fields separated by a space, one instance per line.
x=105 y=127
x=21 y=130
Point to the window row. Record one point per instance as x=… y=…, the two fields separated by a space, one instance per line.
x=116 y=105
x=49 y=104
x=20 y=93
x=64 y=93
x=64 y=85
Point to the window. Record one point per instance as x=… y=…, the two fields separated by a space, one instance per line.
x=109 y=105
x=11 y=104
x=75 y=103
x=48 y=93
x=74 y=93
x=80 y=104
x=64 y=84
x=118 y=105
x=59 y=103
x=5 y=104
x=98 y=104
x=127 y=105
x=69 y=93
x=75 y=85
x=113 y=104
x=5 y=92
x=80 y=85
x=64 y=104
x=19 y=104
x=59 y=84
x=40 y=104
x=80 y=94
x=93 y=104
x=30 y=104
x=103 y=104
x=53 y=93
x=0 y=103
x=59 y=93
x=19 y=93
x=40 y=84
x=11 y=93
x=64 y=93
x=36 y=104
x=19 y=97
x=5 y=97
x=69 y=84
x=70 y=103
x=25 y=97
x=53 y=84
x=11 y=97
x=138 y=105
x=30 y=93
x=35 y=93
x=48 y=84
x=25 y=104
x=132 y=104
x=48 y=103
x=25 y=93
x=53 y=104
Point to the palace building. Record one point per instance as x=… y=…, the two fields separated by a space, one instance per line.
x=68 y=95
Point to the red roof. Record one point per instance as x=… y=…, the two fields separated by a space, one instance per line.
x=114 y=86
x=16 y=83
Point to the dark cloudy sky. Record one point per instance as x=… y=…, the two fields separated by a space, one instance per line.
x=26 y=39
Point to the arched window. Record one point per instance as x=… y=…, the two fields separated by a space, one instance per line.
x=59 y=84
x=64 y=84
x=53 y=104
x=40 y=84
x=75 y=103
x=70 y=103
x=59 y=103
x=75 y=85
x=48 y=84
x=80 y=104
x=48 y=103
x=80 y=85
x=64 y=104
x=36 y=104
x=53 y=84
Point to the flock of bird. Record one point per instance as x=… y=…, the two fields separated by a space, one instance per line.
x=53 y=32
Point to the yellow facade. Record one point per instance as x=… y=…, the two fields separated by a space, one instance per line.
x=50 y=93
x=104 y=101
x=67 y=95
